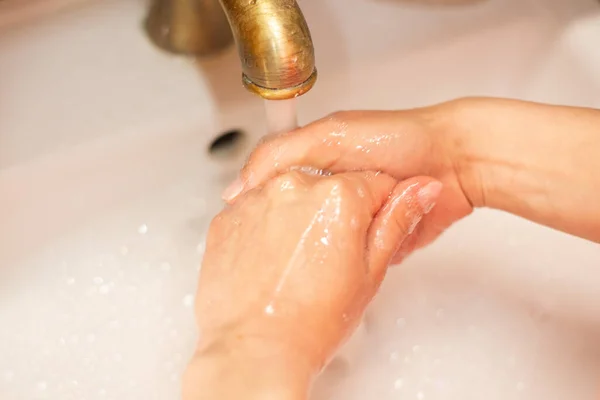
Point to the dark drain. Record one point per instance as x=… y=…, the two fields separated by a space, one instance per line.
x=227 y=143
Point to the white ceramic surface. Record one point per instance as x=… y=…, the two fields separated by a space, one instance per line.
x=106 y=190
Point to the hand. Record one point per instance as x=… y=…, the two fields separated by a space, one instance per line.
x=288 y=271
x=537 y=161
x=402 y=144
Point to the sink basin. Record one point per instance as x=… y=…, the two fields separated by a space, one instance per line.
x=108 y=183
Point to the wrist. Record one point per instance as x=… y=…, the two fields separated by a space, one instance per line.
x=252 y=371
x=496 y=163
x=533 y=160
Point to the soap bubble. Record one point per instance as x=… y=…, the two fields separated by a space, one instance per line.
x=188 y=300
x=143 y=229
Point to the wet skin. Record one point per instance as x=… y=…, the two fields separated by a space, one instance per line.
x=288 y=272
x=291 y=265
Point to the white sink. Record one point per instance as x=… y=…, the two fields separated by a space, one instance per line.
x=107 y=188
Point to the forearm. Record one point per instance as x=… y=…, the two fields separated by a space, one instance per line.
x=538 y=161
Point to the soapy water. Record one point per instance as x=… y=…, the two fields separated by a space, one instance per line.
x=106 y=313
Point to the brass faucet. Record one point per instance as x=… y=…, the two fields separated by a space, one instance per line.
x=272 y=37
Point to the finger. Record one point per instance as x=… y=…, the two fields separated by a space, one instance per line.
x=409 y=244
x=397 y=219
x=373 y=189
x=367 y=140
x=426 y=232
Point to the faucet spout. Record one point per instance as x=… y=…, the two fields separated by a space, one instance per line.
x=272 y=37
x=274 y=45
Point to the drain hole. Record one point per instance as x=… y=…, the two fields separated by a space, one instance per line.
x=227 y=143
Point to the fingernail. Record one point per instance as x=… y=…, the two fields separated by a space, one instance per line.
x=428 y=195
x=233 y=190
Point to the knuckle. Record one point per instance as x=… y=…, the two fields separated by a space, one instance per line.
x=338 y=187
x=288 y=180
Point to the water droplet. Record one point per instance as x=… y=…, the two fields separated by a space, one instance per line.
x=98 y=280
x=420 y=395
x=143 y=229
x=70 y=281
x=270 y=309
x=398 y=383
x=394 y=356
x=41 y=385
x=188 y=300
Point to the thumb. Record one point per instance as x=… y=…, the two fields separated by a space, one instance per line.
x=397 y=219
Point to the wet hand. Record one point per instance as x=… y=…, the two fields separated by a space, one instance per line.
x=534 y=160
x=402 y=144
x=288 y=271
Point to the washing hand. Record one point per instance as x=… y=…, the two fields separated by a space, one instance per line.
x=288 y=271
x=538 y=161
